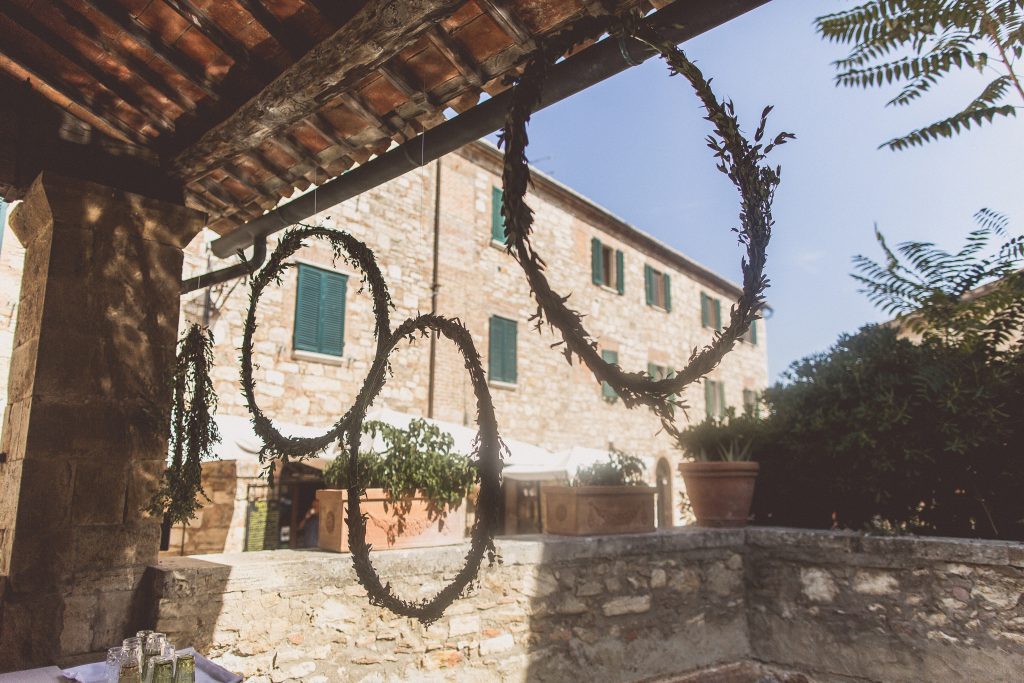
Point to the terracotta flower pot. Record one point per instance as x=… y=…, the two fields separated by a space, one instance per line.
x=593 y=510
x=720 y=492
x=417 y=526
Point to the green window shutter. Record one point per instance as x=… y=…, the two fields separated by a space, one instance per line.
x=668 y=291
x=653 y=370
x=718 y=314
x=649 y=285
x=753 y=332
x=497 y=221
x=3 y=218
x=606 y=389
x=620 y=271
x=705 y=311
x=596 y=269
x=501 y=355
x=709 y=398
x=306 y=336
x=721 y=399
x=509 y=355
x=332 y=313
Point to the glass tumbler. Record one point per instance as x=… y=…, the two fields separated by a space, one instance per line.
x=152 y=647
x=161 y=669
x=129 y=671
x=114 y=655
x=133 y=646
x=185 y=671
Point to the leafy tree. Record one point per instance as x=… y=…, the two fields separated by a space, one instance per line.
x=917 y=43
x=973 y=298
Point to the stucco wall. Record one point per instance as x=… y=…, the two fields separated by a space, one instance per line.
x=834 y=606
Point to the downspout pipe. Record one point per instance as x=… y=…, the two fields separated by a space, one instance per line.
x=678 y=22
x=246 y=267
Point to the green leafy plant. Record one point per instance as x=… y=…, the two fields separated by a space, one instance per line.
x=972 y=298
x=621 y=469
x=193 y=429
x=728 y=439
x=917 y=43
x=417 y=458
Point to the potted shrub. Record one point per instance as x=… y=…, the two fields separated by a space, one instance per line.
x=415 y=489
x=604 y=498
x=720 y=480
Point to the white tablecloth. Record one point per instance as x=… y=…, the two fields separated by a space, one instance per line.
x=206 y=671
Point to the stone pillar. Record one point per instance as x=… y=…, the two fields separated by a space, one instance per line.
x=85 y=429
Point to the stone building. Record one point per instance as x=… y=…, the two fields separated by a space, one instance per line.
x=647 y=304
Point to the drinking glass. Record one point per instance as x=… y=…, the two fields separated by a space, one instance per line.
x=161 y=670
x=152 y=647
x=129 y=671
x=133 y=646
x=114 y=655
x=185 y=670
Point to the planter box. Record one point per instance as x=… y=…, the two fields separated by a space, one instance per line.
x=384 y=528
x=720 y=492
x=597 y=510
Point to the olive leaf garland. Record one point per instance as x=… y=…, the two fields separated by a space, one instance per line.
x=193 y=429
x=740 y=160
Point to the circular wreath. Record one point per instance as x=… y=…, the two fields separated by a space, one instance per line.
x=277 y=446
x=486 y=457
x=738 y=158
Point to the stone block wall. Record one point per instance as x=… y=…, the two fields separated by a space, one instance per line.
x=827 y=606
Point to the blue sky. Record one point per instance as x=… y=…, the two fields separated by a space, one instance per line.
x=635 y=145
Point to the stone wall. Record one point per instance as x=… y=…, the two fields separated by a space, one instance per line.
x=834 y=606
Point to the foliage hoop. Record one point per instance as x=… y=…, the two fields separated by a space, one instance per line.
x=275 y=444
x=738 y=158
x=486 y=456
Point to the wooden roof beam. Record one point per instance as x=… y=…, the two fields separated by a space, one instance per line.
x=296 y=44
x=202 y=22
x=381 y=29
x=69 y=97
x=505 y=17
x=363 y=111
x=42 y=33
x=453 y=53
x=152 y=42
x=98 y=38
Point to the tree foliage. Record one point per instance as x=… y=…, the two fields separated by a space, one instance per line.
x=917 y=43
x=972 y=298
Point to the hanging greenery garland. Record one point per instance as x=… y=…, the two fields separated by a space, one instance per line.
x=741 y=160
x=193 y=429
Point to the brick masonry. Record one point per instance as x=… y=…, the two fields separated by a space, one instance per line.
x=832 y=606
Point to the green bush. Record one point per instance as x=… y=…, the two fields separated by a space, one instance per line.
x=882 y=433
x=419 y=457
x=621 y=469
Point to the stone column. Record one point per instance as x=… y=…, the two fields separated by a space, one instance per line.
x=85 y=429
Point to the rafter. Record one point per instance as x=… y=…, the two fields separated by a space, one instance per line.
x=453 y=53
x=102 y=41
x=361 y=109
x=224 y=41
x=152 y=42
x=291 y=40
x=506 y=17
x=45 y=35
x=42 y=76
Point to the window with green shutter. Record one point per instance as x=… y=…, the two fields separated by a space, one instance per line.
x=320 y=311
x=657 y=288
x=750 y=336
x=714 y=399
x=607 y=391
x=501 y=355
x=751 y=403
x=607 y=266
x=497 y=220
x=710 y=312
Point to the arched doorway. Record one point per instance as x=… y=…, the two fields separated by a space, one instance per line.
x=663 y=475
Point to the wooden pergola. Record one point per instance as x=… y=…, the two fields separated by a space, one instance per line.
x=126 y=126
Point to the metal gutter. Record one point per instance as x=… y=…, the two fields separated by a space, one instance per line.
x=246 y=267
x=679 y=22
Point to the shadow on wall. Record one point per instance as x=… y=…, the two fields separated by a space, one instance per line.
x=186 y=600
